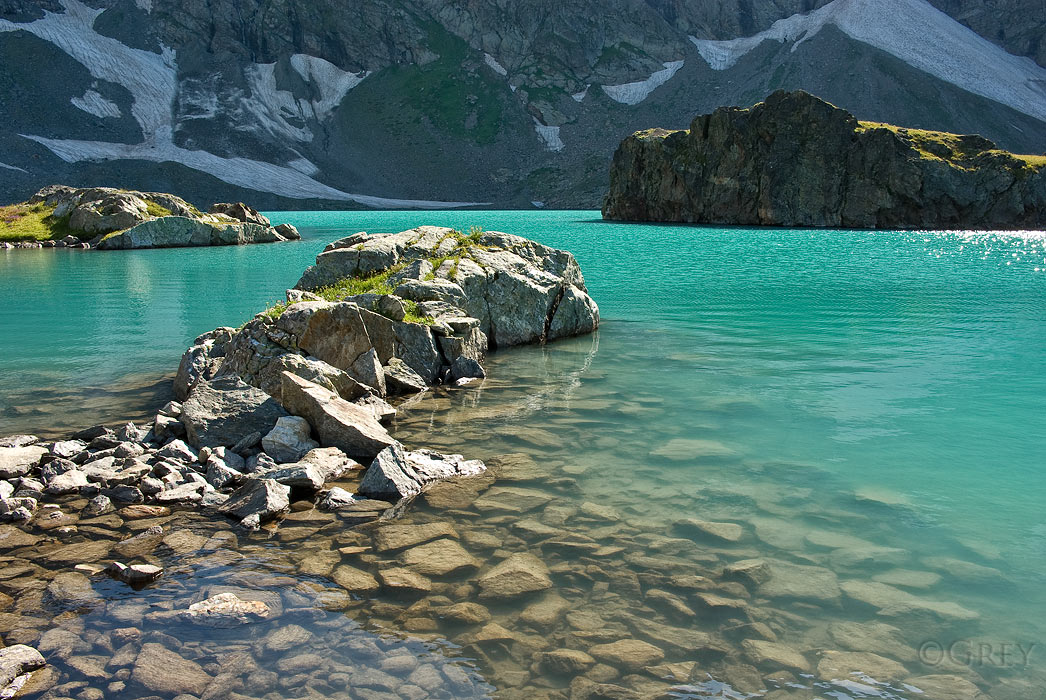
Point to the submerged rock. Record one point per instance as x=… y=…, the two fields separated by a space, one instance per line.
x=226 y=610
x=161 y=670
x=795 y=160
x=520 y=574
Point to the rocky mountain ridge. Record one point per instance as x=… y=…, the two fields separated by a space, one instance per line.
x=795 y=160
x=310 y=104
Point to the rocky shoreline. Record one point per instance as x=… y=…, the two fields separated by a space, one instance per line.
x=797 y=161
x=296 y=399
x=105 y=218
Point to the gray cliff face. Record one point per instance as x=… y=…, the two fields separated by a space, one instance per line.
x=319 y=104
x=796 y=160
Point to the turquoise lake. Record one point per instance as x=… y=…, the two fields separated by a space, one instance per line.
x=867 y=402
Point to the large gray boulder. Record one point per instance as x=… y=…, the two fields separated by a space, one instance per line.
x=181 y=231
x=396 y=473
x=338 y=423
x=514 y=287
x=201 y=361
x=223 y=411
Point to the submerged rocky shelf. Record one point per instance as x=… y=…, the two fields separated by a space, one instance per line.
x=795 y=160
x=106 y=218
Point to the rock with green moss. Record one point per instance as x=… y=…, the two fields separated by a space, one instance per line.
x=115 y=219
x=795 y=160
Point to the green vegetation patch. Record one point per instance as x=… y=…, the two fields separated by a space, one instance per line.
x=379 y=283
x=959 y=151
x=157 y=210
x=31 y=222
x=460 y=102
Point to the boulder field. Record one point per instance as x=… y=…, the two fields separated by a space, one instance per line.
x=795 y=160
x=114 y=219
x=300 y=396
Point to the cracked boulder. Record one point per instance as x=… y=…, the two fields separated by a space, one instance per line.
x=222 y=412
x=351 y=428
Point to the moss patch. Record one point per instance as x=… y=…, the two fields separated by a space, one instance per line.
x=957 y=150
x=157 y=210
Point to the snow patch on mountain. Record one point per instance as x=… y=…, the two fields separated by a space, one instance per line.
x=151 y=80
x=494 y=65
x=149 y=77
x=550 y=136
x=277 y=111
x=634 y=93
x=580 y=96
x=242 y=172
x=915 y=32
x=93 y=103
x=332 y=83
x=5 y=166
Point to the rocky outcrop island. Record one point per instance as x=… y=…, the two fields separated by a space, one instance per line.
x=298 y=399
x=795 y=160
x=107 y=218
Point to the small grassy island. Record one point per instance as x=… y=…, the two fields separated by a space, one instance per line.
x=108 y=218
x=795 y=160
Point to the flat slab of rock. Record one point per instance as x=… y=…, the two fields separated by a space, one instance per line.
x=354 y=580
x=843 y=665
x=727 y=532
x=439 y=558
x=400 y=536
x=224 y=411
x=161 y=670
x=352 y=429
x=520 y=574
x=16 y=462
x=628 y=654
x=775 y=656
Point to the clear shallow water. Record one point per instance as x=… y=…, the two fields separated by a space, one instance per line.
x=787 y=381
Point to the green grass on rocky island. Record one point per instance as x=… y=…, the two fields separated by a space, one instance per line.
x=31 y=222
x=379 y=283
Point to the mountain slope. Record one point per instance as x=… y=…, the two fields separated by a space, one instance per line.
x=429 y=103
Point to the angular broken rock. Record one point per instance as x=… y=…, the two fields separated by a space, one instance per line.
x=337 y=423
x=257 y=501
x=226 y=410
x=519 y=575
x=289 y=440
x=396 y=473
x=16 y=660
x=226 y=610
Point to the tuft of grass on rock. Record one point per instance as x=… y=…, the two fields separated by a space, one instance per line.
x=157 y=210
x=31 y=222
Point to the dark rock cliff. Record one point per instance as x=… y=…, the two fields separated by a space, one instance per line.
x=795 y=160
